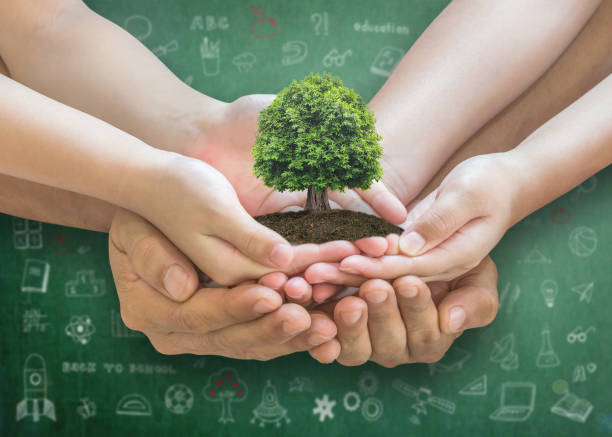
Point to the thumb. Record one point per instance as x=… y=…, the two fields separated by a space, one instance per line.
x=385 y=203
x=152 y=257
x=446 y=214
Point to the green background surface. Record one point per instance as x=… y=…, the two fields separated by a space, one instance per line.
x=564 y=249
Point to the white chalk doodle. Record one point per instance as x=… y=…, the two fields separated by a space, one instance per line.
x=452 y=361
x=139 y=26
x=324 y=408
x=178 y=399
x=372 y=409
x=211 y=57
x=27 y=234
x=368 y=383
x=83 y=249
x=86 y=408
x=295 y=52
x=386 y=60
x=269 y=410
x=80 y=329
x=320 y=21
x=508 y=297
x=134 y=404
x=477 y=387
x=189 y=79
x=300 y=384
x=118 y=328
x=351 y=401
x=583 y=241
x=35 y=403
x=547 y=357
x=535 y=257
x=587 y=187
x=584 y=291
x=35 y=276
x=423 y=399
x=209 y=23
x=225 y=387
x=34 y=320
x=517 y=402
x=85 y=285
x=581 y=370
x=244 y=61
x=199 y=363
x=164 y=49
x=549 y=290
x=335 y=58
x=572 y=407
x=504 y=353
x=579 y=334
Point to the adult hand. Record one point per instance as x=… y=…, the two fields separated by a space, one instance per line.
x=410 y=321
x=159 y=296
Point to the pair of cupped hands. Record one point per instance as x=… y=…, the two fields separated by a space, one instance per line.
x=416 y=293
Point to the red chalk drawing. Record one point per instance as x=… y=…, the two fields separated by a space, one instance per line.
x=230 y=388
x=262 y=27
x=561 y=216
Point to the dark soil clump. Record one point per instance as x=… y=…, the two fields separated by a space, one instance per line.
x=319 y=227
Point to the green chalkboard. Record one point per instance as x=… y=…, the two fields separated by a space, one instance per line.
x=542 y=368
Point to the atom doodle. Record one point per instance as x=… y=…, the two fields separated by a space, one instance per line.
x=80 y=329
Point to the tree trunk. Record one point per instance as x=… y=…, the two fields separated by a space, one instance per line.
x=317 y=200
x=226 y=410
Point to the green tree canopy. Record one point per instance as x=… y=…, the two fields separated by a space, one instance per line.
x=317 y=134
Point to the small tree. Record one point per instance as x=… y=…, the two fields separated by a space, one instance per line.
x=317 y=134
x=225 y=386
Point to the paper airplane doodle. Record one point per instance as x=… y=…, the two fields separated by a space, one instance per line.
x=423 y=399
x=452 y=361
x=585 y=291
x=477 y=387
x=35 y=403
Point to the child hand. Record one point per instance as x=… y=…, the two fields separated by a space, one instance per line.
x=450 y=231
x=410 y=321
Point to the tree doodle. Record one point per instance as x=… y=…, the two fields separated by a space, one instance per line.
x=225 y=387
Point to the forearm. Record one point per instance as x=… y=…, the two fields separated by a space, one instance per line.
x=49 y=143
x=93 y=65
x=474 y=59
x=565 y=151
x=47 y=204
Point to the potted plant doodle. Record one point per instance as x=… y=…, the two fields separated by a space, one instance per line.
x=319 y=135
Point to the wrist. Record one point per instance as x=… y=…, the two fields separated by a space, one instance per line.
x=518 y=174
x=198 y=127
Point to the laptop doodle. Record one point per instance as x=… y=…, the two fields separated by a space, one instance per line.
x=517 y=402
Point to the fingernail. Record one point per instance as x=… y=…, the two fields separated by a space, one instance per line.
x=280 y=254
x=350 y=270
x=411 y=243
x=263 y=306
x=350 y=317
x=408 y=292
x=316 y=339
x=290 y=329
x=376 y=296
x=174 y=281
x=456 y=319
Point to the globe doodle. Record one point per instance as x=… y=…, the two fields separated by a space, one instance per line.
x=178 y=399
x=583 y=241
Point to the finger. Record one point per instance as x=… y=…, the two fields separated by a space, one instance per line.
x=448 y=213
x=350 y=200
x=351 y=317
x=372 y=246
x=385 y=323
x=330 y=273
x=274 y=280
x=474 y=301
x=392 y=244
x=425 y=341
x=308 y=254
x=152 y=256
x=298 y=290
x=327 y=352
x=256 y=241
x=207 y=310
x=260 y=339
x=322 y=292
x=386 y=204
